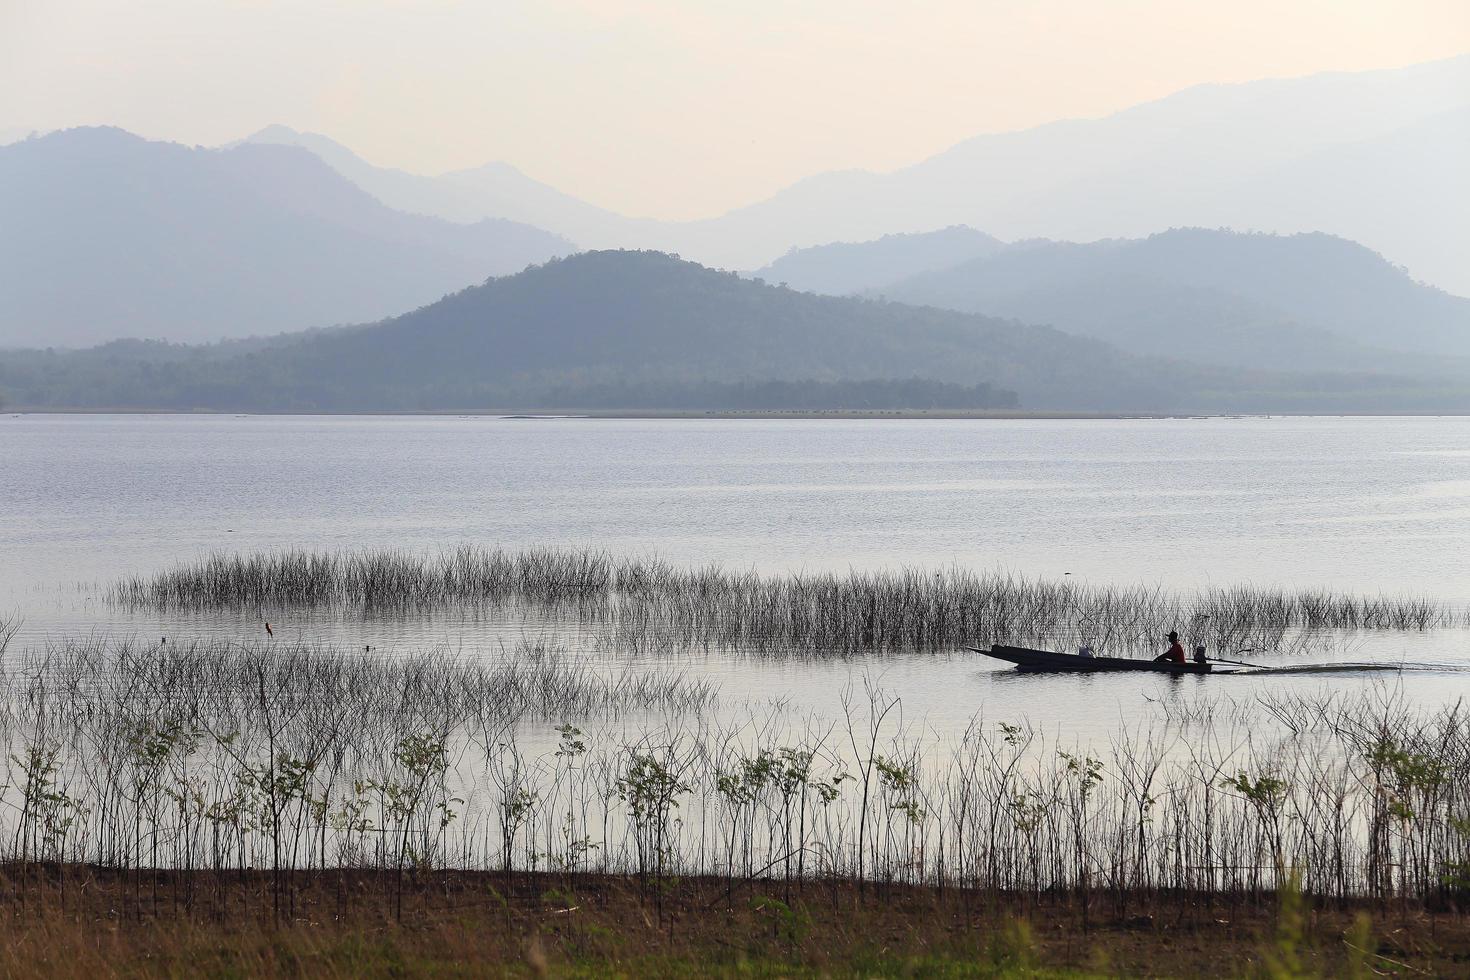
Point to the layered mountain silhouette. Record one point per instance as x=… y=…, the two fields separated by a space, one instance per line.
x=107 y=235
x=1371 y=156
x=644 y=329
x=1314 y=301
x=842 y=267
x=494 y=190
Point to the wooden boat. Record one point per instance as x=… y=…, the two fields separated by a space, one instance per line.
x=1037 y=661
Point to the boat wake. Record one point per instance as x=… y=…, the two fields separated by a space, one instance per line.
x=1358 y=668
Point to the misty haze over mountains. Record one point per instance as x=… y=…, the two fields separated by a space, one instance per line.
x=841 y=268
x=1376 y=157
x=639 y=330
x=107 y=235
x=1220 y=297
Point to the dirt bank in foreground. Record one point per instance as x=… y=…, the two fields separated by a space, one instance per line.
x=98 y=923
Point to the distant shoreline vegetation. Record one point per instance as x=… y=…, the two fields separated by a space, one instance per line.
x=873 y=394
x=868 y=395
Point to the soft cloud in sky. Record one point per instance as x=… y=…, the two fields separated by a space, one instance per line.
x=669 y=109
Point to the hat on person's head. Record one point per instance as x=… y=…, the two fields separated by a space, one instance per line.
x=1173 y=635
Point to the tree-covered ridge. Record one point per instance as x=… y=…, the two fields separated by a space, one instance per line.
x=645 y=329
x=863 y=395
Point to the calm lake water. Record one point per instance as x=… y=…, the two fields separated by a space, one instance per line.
x=1363 y=505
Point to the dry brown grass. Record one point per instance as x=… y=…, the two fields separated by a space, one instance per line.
x=476 y=924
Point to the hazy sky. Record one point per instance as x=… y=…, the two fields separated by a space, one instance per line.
x=664 y=108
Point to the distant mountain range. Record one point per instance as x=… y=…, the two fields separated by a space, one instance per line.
x=1252 y=300
x=641 y=329
x=844 y=268
x=494 y=190
x=1377 y=157
x=106 y=235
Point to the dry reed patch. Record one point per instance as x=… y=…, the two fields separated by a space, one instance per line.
x=650 y=601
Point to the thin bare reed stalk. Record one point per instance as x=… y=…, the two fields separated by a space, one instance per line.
x=645 y=601
x=217 y=759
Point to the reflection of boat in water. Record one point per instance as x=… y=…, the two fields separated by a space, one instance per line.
x=1038 y=661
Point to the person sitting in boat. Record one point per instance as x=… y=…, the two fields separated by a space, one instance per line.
x=1175 y=653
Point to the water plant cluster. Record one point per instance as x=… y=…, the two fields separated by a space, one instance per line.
x=647 y=601
x=216 y=758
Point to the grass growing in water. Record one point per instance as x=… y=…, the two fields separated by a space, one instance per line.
x=646 y=601
x=215 y=759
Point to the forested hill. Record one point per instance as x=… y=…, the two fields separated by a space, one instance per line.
x=632 y=325
x=646 y=315
x=621 y=323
